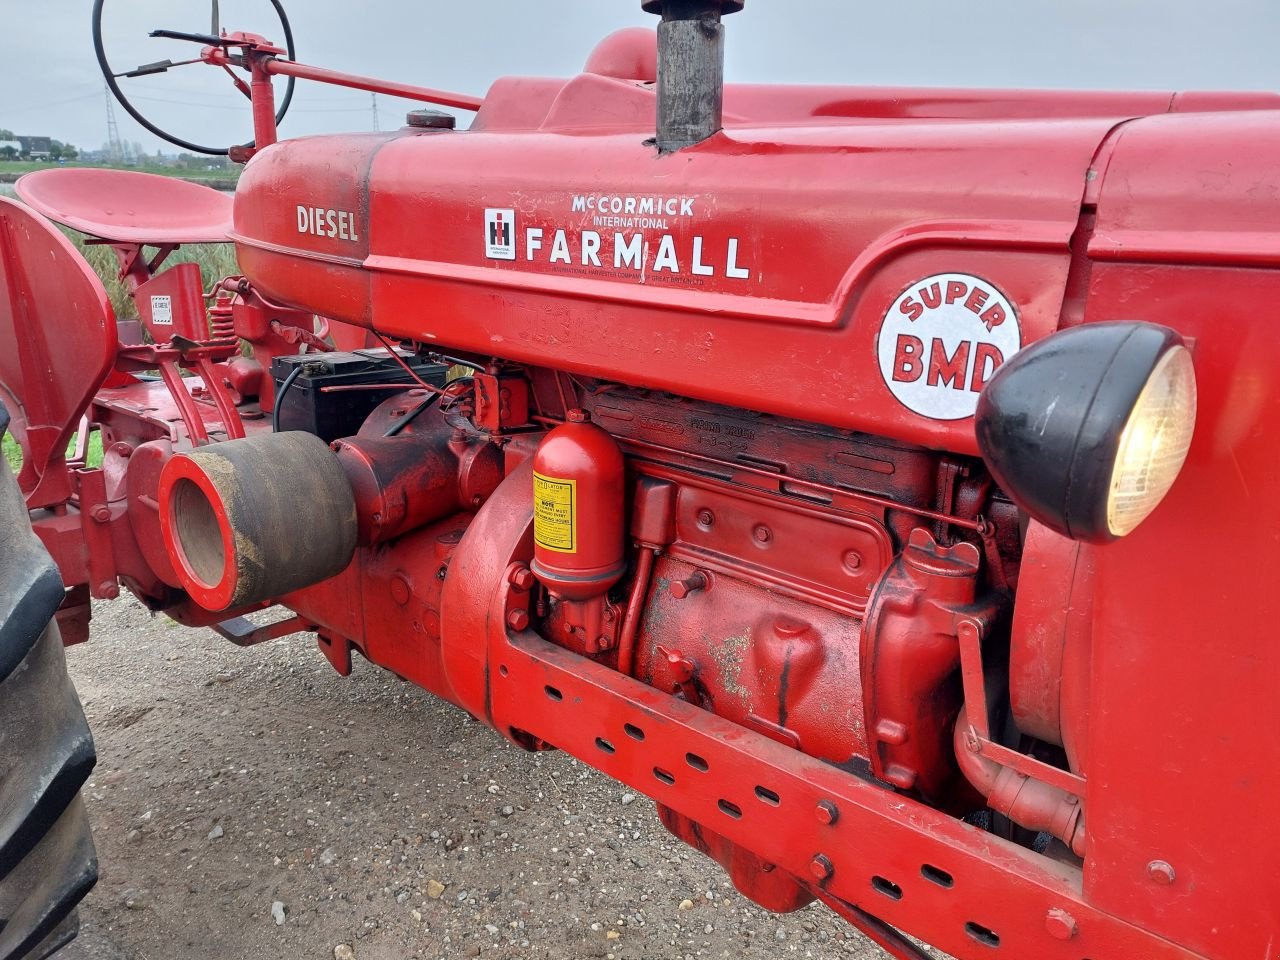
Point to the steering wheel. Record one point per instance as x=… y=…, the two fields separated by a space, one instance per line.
x=213 y=38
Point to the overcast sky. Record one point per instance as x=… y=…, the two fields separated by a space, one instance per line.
x=49 y=81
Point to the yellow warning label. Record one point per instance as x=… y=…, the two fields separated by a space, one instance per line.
x=555 y=514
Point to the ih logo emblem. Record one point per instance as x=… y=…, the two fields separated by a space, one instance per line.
x=941 y=341
x=500 y=234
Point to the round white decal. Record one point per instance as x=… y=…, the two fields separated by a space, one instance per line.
x=942 y=340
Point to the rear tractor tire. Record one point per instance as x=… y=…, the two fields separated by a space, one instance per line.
x=47 y=859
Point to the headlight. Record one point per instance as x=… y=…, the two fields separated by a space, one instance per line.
x=1154 y=443
x=1088 y=429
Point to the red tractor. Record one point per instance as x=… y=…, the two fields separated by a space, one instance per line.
x=884 y=481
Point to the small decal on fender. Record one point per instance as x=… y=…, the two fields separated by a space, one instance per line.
x=500 y=234
x=162 y=310
x=941 y=341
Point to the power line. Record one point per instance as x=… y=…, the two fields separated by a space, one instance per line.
x=29 y=108
x=243 y=107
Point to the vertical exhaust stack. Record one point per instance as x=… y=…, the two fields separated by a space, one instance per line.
x=690 y=69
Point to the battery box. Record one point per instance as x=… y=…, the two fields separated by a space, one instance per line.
x=339 y=413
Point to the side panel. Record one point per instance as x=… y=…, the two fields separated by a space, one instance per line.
x=1184 y=753
x=308 y=202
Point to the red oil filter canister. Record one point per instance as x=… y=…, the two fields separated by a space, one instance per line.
x=578 y=522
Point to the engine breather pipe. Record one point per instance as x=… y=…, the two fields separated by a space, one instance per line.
x=635 y=606
x=653 y=523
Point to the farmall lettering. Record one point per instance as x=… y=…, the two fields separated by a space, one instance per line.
x=941 y=341
x=634 y=237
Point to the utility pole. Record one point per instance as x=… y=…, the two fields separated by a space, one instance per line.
x=376 y=126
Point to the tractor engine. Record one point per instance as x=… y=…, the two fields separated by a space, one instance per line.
x=777 y=557
x=809 y=584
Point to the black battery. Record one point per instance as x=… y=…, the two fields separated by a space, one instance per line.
x=331 y=414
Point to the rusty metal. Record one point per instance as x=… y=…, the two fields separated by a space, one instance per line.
x=879 y=932
x=243 y=632
x=690 y=70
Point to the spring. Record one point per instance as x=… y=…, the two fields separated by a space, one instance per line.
x=221 y=324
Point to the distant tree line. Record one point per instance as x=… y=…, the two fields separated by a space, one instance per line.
x=57 y=149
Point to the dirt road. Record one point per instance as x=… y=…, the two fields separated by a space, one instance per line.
x=237 y=784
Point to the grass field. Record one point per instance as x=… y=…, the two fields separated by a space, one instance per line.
x=217 y=260
x=13 y=453
x=16 y=168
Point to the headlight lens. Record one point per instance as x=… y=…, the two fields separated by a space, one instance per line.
x=1154 y=443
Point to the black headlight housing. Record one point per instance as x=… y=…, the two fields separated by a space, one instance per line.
x=1087 y=429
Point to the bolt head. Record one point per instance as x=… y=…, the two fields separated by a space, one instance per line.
x=522 y=578
x=762 y=534
x=1161 y=872
x=706 y=518
x=690 y=584
x=820 y=867
x=1060 y=924
x=518 y=619
x=827 y=812
x=102 y=513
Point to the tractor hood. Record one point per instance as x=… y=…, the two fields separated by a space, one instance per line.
x=863 y=258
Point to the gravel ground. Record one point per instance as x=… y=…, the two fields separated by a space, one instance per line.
x=253 y=804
